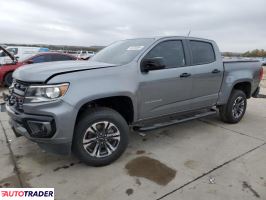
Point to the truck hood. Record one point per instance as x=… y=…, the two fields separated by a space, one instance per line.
x=43 y=71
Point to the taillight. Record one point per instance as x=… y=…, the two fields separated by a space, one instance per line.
x=261 y=73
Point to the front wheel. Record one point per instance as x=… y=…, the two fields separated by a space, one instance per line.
x=101 y=136
x=235 y=108
x=8 y=79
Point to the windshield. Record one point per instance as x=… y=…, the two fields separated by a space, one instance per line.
x=122 y=52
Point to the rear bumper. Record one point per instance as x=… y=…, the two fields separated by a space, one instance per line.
x=256 y=92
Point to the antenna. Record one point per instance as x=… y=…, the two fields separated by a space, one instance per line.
x=189 y=33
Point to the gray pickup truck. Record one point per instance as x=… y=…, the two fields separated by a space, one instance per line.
x=140 y=84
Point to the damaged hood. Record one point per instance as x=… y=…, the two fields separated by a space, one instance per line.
x=43 y=71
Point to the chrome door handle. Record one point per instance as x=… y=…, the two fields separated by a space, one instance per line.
x=185 y=75
x=215 y=71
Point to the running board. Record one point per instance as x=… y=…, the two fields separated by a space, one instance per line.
x=172 y=122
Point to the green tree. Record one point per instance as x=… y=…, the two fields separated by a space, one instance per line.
x=255 y=53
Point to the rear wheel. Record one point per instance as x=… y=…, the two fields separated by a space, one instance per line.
x=235 y=108
x=101 y=136
x=8 y=79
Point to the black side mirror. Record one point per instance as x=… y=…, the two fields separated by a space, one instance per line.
x=155 y=63
x=29 y=62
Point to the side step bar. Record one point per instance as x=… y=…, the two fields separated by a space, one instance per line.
x=172 y=122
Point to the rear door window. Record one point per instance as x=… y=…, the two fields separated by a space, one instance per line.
x=59 y=57
x=202 y=52
x=41 y=58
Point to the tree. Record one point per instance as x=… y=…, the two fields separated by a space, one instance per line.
x=255 y=53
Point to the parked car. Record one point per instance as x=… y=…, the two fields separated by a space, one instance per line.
x=20 y=52
x=81 y=55
x=7 y=70
x=85 y=55
x=264 y=61
x=88 y=107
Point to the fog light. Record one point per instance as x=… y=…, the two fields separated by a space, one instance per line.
x=40 y=129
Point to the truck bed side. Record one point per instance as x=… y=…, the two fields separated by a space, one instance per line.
x=239 y=73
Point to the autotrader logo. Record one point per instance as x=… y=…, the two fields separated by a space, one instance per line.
x=27 y=193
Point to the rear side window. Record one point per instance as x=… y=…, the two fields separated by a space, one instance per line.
x=41 y=58
x=202 y=52
x=171 y=51
x=59 y=57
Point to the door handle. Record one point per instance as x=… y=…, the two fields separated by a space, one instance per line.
x=185 y=75
x=215 y=71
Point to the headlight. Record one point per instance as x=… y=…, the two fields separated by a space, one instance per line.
x=43 y=93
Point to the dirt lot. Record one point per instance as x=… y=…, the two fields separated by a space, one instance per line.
x=200 y=159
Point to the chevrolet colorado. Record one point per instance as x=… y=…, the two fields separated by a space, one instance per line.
x=89 y=107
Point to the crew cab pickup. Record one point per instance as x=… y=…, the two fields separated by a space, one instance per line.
x=138 y=84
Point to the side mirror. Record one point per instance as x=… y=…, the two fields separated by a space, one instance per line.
x=155 y=63
x=29 y=62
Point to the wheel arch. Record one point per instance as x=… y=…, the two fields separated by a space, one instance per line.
x=5 y=74
x=123 y=104
x=228 y=87
x=245 y=86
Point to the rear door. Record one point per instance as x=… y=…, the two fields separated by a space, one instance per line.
x=207 y=73
x=168 y=90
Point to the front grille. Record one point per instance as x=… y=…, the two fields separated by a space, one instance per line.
x=17 y=94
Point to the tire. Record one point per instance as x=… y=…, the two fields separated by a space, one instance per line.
x=235 y=108
x=92 y=129
x=8 y=79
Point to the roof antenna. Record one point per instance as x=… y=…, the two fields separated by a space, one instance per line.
x=189 y=33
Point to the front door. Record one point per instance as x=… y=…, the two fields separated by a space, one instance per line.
x=168 y=90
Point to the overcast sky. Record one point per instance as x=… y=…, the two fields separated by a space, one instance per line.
x=236 y=25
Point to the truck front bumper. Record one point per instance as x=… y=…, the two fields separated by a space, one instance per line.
x=50 y=125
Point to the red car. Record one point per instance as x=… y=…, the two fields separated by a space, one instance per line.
x=7 y=69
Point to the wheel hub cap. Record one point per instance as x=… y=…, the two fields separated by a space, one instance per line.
x=238 y=107
x=101 y=139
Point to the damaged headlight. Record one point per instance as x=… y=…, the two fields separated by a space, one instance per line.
x=43 y=93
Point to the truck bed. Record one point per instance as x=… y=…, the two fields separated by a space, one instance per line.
x=237 y=64
x=239 y=70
